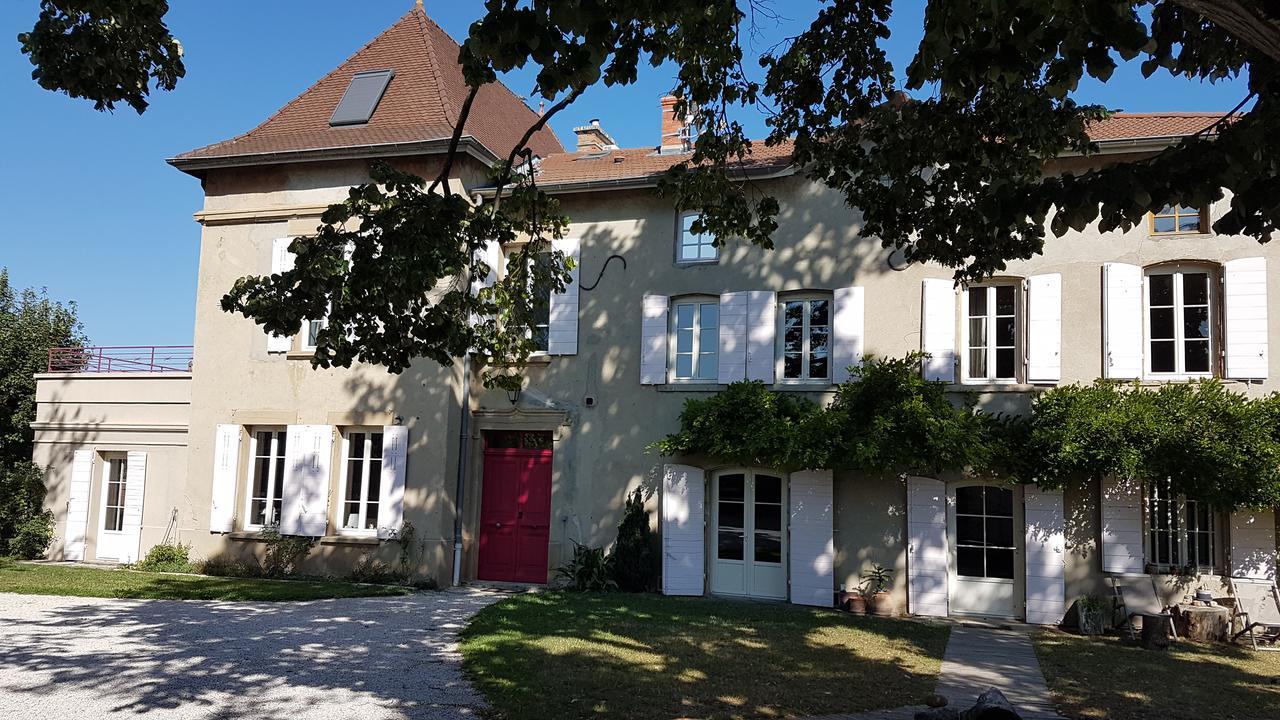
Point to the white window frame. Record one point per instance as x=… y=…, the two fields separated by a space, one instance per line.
x=703 y=240
x=1182 y=506
x=781 y=340
x=110 y=463
x=1178 y=271
x=274 y=482
x=366 y=462
x=699 y=346
x=500 y=272
x=988 y=377
x=307 y=326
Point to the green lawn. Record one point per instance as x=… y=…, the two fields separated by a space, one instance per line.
x=1114 y=678
x=570 y=655
x=32 y=579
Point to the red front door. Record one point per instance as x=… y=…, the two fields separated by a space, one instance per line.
x=515 y=507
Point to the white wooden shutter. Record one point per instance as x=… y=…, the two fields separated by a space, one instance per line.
x=1253 y=544
x=762 y=327
x=683 y=552
x=1245 y=302
x=134 y=492
x=1044 y=328
x=562 y=332
x=927 y=553
x=304 y=496
x=653 y=340
x=812 y=543
x=847 y=331
x=226 y=464
x=1122 y=321
x=1046 y=555
x=733 y=338
x=938 y=329
x=1122 y=549
x=395 y=447
x=281 y=261
x=78 y=505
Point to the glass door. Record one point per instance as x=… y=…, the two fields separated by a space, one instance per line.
x=750 y=535
x=983 y=518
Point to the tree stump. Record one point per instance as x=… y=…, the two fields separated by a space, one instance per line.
x=1203 y=623
x=1155 y=632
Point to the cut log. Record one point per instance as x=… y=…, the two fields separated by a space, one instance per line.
x=991 y=705
x=1155 y=632
x=1203 y=623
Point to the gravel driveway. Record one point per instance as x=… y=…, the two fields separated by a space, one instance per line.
x=371 y=658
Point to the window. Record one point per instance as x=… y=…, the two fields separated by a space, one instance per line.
x=805 y=348
x=696 y=327
x=1179 y=219
x=1181 y=533
x=991 y=333
x=313 y=334
x=266 y=476
x=361 y=481
x=541 y=333
x=1179 y=322
x=695 y=247
x=984 y=532
x=113 y=504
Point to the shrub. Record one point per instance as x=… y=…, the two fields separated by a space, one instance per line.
x=590 y=570
x=32 y=536
x=226 y=566
x=167 y=557
x=635 y=562
x=22 y=509
x=376 y=572
x=285 y=553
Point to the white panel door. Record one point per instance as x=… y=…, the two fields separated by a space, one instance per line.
x=812 y=541
x=135 y=491
x=78 y=505
x=927 y=553
x=113 y=536
x=1122 y=549
x=749 y=534
x=1253 y=544
x=1046 y=555
x=683 y=530
x=305 y=492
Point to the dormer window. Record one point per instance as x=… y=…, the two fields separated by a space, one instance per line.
x=361 y=98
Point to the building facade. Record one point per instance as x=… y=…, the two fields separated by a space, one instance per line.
x=249 y=435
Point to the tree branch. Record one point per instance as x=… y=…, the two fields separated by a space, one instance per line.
x=443 y=177
x=528 y=134
x=1248 y=21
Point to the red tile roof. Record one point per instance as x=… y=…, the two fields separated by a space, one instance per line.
x=421 y=103
x=1135 y=126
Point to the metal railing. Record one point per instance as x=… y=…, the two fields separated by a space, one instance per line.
x=121 y=359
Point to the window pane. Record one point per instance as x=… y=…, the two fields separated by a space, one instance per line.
x=818 y=367
x=684 y=340
x=1005 y=363
x=819 y=313
x=793 y=314
x=791 y=366
x=684 y=316
x=768 y=548
x=1204 y=553
x=1000 y=564
x=1164 y=224
x=355 y=478
x=708 y=366
x=977 y=332
x=731 y=487
x=977 y=363
x=1161 y=289
x=729 y=545
x=1196 y=358
x=1162 y=323
x=969 y=530
x=818 y=340
x=1000 y=532
x=969 y=500
x=1004 y=300
x=1162 y=356
x=710 y=316
x=708 y=251
x=768 y=517
x=1195 y=322
x=969 y=561
x=731 y=515
x=1189 y=222
x=1005 y=331
x=1195 y=289
x=978 y=301
x=684 y=366
x=999 y=501
x=768 y=489
x=689 y=252
x=375 y=445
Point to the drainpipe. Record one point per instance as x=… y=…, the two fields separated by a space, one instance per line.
x=464 y=441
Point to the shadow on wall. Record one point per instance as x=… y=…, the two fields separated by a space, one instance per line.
x=264 y=661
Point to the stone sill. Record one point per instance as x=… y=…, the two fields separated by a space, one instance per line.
x=255 y=536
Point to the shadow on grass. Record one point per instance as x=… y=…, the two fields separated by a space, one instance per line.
x=1112 y=677
x=559 y=655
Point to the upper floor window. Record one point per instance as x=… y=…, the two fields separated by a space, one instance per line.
x=361 y=480
x=266 y=476
x=117 y=479
x=1181 y=533
x=1179 y=328
x=695 y=325
x=804 y=350
x=990 y=333
x=1179 y=219
x=541 y=332
x=695 y=247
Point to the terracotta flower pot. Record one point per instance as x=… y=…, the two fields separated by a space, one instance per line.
x=853 y=602
x=881 y=604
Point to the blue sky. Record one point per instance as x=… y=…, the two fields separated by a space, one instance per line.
x=94 y=214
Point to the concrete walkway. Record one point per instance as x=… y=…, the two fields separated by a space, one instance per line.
x=368 y=658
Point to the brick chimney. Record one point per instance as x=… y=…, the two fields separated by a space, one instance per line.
x=593 y=139
x=674 y=136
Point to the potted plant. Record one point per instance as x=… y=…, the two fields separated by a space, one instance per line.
x=876 y=590
x=1091 y=612
x=852 y=601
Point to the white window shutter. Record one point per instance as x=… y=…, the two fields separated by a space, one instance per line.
x=733 y=337
x=226 y=464
x=848 y=330
x=653 y=340
x=812 y=543
x=134 y=492
x=395 y=448
x=1046 y=555
x=683 y=551
x=1122 y=321
x=1253 y=544
x=562 y=331
x=762 y=329
x=1044 y=328
x=938 y=329
x=927 y=553
x=78 y=505
x=304 y=495
x=1245 y=303
x=281 y=261
x=1122 y=547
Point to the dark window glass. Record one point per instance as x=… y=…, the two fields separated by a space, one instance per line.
x=729 y=545
x=969 y=500
x=978 y=302
x=1004 y=331
x=1004 y=363
x=1161 y=290
x=731 y=487
x=731 y=515
x=1197 y=357
x=1162 y=323
x=791 y=366
x=1162 y=356
x=1189 y=223
x=768 y=549
x=1000 y=532
x=978 y=363
x=1004 y=300
x=1000 y=564
x=969 y=530
x=768 y=489
x=768 y=517
x=999 y=501
x=819 y=313
x=969 y=561
x=817 y=366
x=1195 y=289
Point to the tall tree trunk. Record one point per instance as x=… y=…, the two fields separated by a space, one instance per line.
x=1248 y=21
